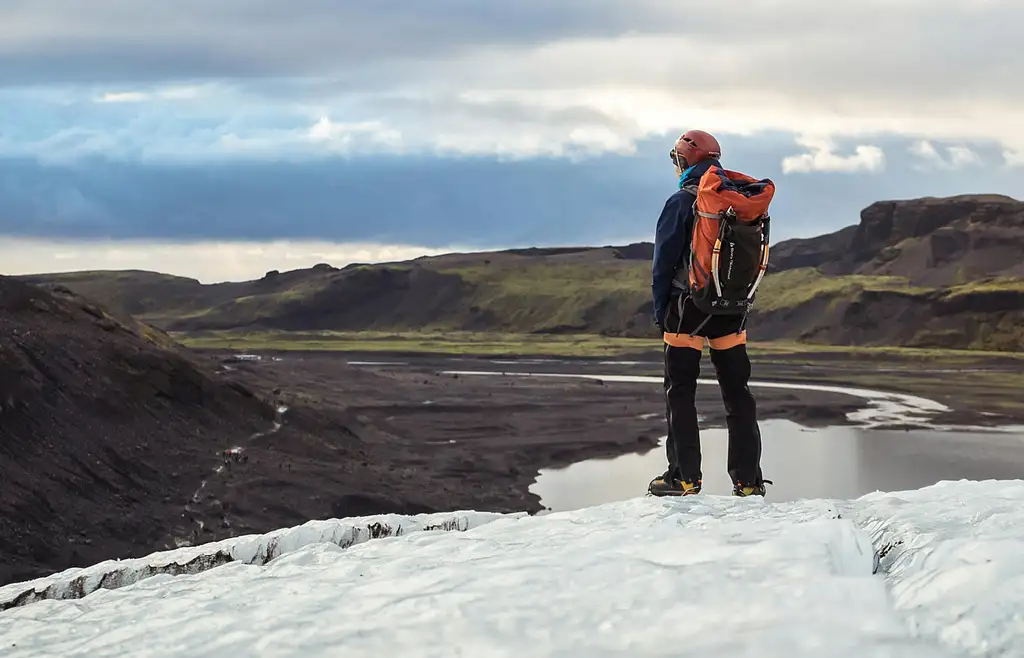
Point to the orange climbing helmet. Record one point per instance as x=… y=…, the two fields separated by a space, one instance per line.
x=694 y=146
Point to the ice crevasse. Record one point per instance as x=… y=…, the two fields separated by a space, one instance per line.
x=932 y=572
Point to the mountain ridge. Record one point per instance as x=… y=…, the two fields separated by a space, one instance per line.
x=949 y=270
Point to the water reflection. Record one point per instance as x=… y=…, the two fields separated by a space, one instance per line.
x=832 y=462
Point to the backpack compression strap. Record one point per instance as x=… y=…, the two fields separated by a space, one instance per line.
x=763 y=265
x=716 y=251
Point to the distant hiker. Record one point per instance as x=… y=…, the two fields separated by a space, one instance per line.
x=710 y=252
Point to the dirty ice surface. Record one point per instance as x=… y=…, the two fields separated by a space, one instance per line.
x=927 y=573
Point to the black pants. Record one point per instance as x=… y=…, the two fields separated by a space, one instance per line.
x=732 y=367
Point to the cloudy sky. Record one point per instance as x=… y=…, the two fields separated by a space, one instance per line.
x=222 y=139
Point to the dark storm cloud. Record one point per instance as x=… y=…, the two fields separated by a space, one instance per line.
x=959 y=46
x=45 y=41
x=439 y=202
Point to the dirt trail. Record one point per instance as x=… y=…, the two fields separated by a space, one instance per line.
x=200 y=505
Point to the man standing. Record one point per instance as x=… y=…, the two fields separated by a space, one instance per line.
x=685 y=329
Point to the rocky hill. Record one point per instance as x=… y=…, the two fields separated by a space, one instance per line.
x=107 y=428
x=932 y=272
x=943 y=272
x=930 y=242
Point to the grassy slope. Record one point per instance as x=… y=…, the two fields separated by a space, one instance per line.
x=555 y=288
x=997 y=284
x=792 y=288
x=522 y=296
x=581 y=345
x=985 y=314
x=426 y=341
x=545 y=295
x=542 y=296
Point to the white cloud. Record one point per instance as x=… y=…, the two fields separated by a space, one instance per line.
x=1013 y=158
x=324 y=136
x=157 y=94
x=957 y=157
x=962 y=156
x=821 y=156
x=340 y=136
x=209 y=262
x=593 y=81
x=517 y=120
x=123 y=97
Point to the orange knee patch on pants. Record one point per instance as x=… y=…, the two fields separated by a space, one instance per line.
x=728 y=342
x=697 y=342
x=685 y=340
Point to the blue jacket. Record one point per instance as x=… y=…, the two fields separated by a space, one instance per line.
x=672 y=238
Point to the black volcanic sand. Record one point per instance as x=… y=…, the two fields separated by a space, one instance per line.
x=427 y=441
x=105 y=430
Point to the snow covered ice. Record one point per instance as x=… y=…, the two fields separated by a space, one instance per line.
x=930 y=573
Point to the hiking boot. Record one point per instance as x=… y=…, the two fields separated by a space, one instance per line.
x=742 y=490
x=669 y=485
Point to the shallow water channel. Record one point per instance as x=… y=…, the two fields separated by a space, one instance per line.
x=830 y=462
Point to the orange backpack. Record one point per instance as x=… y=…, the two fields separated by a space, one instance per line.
x=729 y=246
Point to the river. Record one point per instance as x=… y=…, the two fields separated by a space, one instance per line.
x=843 y=461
